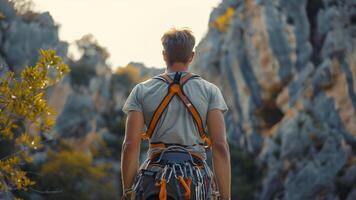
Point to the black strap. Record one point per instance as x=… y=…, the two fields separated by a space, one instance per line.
x=177 y=77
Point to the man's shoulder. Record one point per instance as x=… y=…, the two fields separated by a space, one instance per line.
x=212 y=88
x=205 y=82
x=148 y=82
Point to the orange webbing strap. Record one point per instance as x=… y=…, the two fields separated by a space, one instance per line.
x=196 y=117
x=175 y=88
x=163 y=189
x=185 y=78
x=167 y=78
x=155 y=145
x=155 y=154
x=186 y=184
x=193 y=110
x=161 y=107
x=157 y=114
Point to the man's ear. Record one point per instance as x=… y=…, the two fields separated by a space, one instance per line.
x=164 y=55
x=191 y=57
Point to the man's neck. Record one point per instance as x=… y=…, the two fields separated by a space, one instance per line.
x=177 y=67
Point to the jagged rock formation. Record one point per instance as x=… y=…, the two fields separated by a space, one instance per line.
x=22 y=36
x=287 y=70
x=145 y=71
x=96 y=93
x=91 y=91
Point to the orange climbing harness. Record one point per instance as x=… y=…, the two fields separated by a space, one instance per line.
x=176 y=88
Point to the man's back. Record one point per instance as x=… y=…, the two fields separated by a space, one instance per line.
x=176 y=125
x=185 y=115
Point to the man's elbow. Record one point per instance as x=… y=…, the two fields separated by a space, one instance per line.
x=130 y=146
x=221 y=147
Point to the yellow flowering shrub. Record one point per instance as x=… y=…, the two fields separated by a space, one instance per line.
x=24 y=108
x=72 y=175
x=127 y=76
x=223 y=21
x=129 y=73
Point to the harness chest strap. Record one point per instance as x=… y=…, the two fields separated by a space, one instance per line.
x=175 y=88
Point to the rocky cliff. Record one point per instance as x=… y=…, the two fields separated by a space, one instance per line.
x=287 y=70
x=92 y=93
x=88 y=104
x=22 y=36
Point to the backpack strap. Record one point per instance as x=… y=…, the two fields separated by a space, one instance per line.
x=175 y=87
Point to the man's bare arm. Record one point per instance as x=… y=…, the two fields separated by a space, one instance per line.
x=220 y=151
x=131 y=148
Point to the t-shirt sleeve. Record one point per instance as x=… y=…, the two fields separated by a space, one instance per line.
x=216 y=100
x=133 y=101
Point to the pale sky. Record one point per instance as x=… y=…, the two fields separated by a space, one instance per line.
x=129 y=29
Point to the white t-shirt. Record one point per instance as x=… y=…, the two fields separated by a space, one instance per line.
x=176 y=125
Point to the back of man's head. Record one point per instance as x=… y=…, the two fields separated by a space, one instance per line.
x=178 y=44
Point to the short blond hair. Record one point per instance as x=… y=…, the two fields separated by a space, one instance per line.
x=179 y=44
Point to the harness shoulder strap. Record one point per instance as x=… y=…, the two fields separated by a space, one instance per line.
x=175 y=87
x=163 y=77
x=159 y=78
x=167 y=79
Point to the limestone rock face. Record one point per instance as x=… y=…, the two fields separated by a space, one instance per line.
x=3 y=68
x=90 y=98
x=88 y=101
x=287 y=69
x=22 y=40
x=75 y=118
x=21 y=37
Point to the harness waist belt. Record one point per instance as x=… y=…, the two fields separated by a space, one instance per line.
x=164 y=145
x=171 y=157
